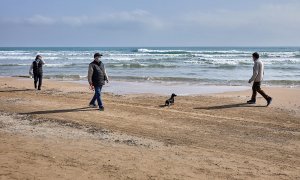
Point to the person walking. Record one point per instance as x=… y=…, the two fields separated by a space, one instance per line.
x=36 y=70
x=97 y=77
x=257 y=77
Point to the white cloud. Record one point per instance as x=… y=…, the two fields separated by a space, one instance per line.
x=75 y=21
x=40 y=20
x=271 y=15
x=34 y=20
x=137 y=17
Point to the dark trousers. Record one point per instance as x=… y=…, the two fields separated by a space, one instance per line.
x=38 y=78
x=256 y=88
x=97 y=96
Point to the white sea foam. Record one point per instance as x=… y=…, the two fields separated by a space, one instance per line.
x=153 y=64
x=17 y=57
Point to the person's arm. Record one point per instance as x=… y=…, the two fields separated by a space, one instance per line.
x=90 y=74
x=30 y=70
x=255 y=72
x=105 y=75
x=43 y=62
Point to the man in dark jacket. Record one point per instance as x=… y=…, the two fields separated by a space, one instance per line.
x=97 y=77
x=37 y=69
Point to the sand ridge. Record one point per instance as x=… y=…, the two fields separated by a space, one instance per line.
x=52 y=134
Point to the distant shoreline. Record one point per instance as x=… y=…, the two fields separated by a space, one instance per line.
x=159 y=88
x=149 y=46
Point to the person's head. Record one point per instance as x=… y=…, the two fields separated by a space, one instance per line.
x=255 y=56
x=38 y=57
x=97 y=56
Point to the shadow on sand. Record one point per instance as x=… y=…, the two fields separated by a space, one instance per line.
x=17 y=90
x=228 y=106
x=60 y=111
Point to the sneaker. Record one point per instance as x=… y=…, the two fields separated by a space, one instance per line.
x=101 y=109
x=269 y=101
x=251 y=102
x=92 y=105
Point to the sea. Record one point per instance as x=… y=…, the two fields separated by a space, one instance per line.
x=180 y=66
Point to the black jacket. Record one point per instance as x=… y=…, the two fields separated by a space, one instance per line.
x=37 y=67
x=97 y=74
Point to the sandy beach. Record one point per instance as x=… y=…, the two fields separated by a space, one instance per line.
x=52 y=134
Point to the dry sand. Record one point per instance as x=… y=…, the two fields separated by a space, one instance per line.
x=51 y=134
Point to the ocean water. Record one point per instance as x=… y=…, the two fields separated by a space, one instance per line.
x=229 y=66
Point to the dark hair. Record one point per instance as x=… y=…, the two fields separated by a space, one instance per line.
x=97 y=55
x=37 y=57
x=255 y=55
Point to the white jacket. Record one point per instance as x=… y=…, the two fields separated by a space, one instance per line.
x=258 y=71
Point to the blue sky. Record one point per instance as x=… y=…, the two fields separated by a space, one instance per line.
x=149 y=23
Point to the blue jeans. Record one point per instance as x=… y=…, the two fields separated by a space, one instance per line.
x=97 y=96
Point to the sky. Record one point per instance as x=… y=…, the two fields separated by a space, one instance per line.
x=146 y=23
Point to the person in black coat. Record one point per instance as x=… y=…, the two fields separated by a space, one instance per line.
x=36 y=70
x=97 y=77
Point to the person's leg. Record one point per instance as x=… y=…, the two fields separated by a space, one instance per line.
x=267 y=98
x=40 y=78
x=98 y=96
x=254 y=91
x=256 y=88
x=92 y=102
x=260 y=91
x=35 y=78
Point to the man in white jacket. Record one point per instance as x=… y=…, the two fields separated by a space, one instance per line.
x=257 y=77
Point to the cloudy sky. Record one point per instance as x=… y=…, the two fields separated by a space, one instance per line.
x=106 y=23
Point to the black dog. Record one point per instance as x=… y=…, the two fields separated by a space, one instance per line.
x=171 y=100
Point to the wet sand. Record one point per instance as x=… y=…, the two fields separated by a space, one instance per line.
x=52 y=134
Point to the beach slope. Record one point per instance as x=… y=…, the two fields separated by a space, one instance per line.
x=52 y=134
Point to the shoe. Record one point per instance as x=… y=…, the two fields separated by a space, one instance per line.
x=251 y=102
x=269 y=101
x=39 y=89
x=101 y=108
x=92 y=105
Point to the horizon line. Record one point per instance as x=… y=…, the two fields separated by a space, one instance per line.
x=148 y=46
